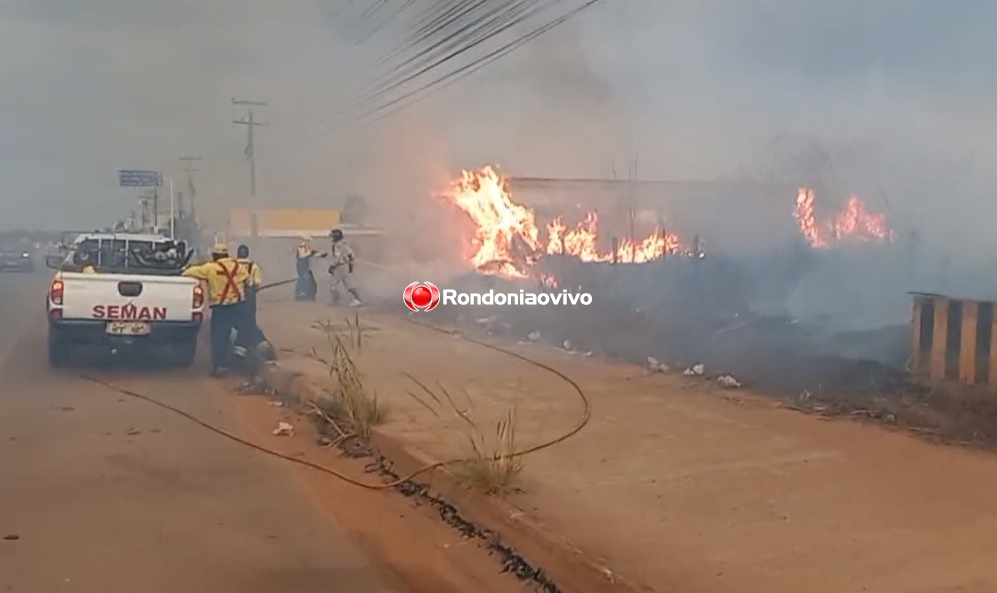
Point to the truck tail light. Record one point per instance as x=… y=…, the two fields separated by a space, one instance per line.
x=198 y=301
x=55 y=292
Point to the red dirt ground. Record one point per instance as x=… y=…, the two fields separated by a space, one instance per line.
x=679 y=486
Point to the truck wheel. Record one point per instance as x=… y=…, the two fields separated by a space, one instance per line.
x=58 y=352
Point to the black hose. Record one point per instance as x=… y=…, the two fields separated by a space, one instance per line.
x=276 y=284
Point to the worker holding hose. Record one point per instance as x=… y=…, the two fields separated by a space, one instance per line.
x=226 y=282
x=250 y=335
x=341 y=270
x=306 y=288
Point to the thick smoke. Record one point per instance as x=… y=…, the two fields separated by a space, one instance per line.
x=890 y=101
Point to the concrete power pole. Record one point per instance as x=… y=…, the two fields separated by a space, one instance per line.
x=189 y=169
x=250 y=123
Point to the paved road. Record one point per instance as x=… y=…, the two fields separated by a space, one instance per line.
x=100 y=493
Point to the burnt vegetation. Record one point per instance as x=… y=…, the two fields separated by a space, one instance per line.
x=735 y=316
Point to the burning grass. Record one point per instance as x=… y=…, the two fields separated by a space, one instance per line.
x=493 y=467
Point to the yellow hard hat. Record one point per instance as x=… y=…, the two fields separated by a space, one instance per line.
x=306 y=238
x=219 y=249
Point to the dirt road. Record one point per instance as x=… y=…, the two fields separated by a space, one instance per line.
x=103 y=493
x=682 y=486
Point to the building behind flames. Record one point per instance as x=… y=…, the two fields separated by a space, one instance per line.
x=739 y=216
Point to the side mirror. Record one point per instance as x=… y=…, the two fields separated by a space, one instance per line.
x=54 y=261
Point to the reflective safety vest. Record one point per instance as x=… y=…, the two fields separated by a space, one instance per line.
x=252 y=272
x=226 y=280
x=232 y=291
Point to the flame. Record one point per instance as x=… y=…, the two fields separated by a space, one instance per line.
x=507 y=240
x=853 y=223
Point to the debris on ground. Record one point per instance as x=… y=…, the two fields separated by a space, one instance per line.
x=567 y=345
x=533 y=336
x=696 y=370
x=277 y=404
x=283 y=430
x=256 y=385
x=728 y=381
x=654 y=365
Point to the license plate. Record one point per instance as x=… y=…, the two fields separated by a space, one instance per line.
x=127 y=328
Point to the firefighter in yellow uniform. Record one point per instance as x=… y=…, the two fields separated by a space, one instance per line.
x=252 y=337
x=306 y=288
x=226 y=283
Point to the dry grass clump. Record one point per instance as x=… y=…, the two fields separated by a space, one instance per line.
x=348 y=409
x=493 y=467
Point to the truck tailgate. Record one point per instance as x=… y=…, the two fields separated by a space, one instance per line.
x=125 y=296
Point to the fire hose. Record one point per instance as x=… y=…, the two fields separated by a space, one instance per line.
x=576 y=388
x=276 y=284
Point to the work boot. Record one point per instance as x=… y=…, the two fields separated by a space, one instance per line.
x=357 y=301
x=265 y=351
x=220 y=372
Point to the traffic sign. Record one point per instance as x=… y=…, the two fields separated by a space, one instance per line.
x=131 y=178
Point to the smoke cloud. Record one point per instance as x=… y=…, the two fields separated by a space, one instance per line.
x=892 y=100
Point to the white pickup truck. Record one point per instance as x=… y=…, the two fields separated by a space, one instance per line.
x=120 y=294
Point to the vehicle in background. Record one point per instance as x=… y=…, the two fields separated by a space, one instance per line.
x=17 y=256
x=120 y=294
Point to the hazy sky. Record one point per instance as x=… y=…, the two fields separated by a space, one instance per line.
x=903 y=91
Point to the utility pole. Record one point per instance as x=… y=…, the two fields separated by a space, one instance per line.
x=189 y=169
x=155 y=209
x=144 y=202
x=250 y=123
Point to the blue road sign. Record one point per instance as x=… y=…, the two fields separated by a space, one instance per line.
x=130 y=178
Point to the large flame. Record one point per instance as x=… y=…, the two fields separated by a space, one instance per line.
x=508 y=241
x=852 y=223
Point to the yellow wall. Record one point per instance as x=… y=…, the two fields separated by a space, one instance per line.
x=290 y=221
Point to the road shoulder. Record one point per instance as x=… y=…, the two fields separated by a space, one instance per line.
x=673 y=483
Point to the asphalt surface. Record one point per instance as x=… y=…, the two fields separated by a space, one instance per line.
x=101 y=493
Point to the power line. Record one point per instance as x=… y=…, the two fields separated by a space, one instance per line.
x=391 y=17
x=455 y=76
x=463 y=31
x=482 y=33
x=432 y=22
x=458 y=42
